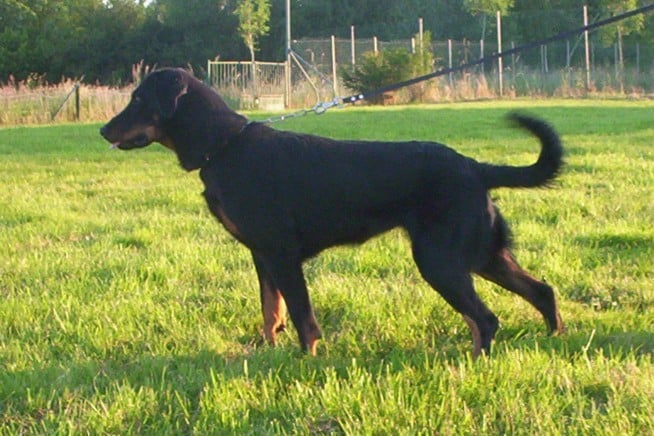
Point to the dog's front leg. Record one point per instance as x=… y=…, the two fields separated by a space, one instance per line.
x=286 y=274
x=273 y=305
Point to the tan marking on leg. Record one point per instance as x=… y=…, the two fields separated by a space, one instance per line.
x=274 y=315
x=313 y=344
x=312 y=334
x=560 y=326
x=476 y=336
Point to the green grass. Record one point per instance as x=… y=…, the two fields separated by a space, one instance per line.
x=125 y=308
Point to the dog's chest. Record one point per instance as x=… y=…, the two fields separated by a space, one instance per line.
x=217 y=208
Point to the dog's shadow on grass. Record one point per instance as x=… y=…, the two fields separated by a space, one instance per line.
x=576 y=343
x=192 y=376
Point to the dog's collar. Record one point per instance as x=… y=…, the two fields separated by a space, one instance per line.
x=243 y=127
x=240 y=131
x=207 y=158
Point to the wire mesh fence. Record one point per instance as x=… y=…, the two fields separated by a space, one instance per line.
x=549 y=70
x=25 y=103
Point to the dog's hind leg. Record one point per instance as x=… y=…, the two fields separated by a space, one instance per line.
x=505 y=271
x=273 y=305
x=442 y=270
x=287 y=275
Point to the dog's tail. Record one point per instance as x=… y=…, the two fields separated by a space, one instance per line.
x=546 y=168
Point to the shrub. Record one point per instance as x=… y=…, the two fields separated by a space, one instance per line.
x=387 y=67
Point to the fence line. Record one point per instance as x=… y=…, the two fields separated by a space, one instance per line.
x=36 y=105
x=554 y=68
x=570 y=67
x=551 y=56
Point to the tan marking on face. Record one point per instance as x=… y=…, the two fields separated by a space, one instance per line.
x=153 y=133
x=131 y=133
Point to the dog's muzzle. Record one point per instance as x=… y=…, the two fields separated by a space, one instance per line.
x=140 y=140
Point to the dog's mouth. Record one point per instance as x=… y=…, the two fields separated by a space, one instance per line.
x=138 y=141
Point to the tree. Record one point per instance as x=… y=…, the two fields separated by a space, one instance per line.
x=487 y=8
x=253 y=16
x=615 y=32
x=623 y=28
x=187 y=33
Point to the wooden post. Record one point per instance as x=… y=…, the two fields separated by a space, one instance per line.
x=335 y=78
x=587 y=49
x=513 y=66
x=499 y=51
x=353 y=46
x=287 y=70
x=374 y=44
x=420 y=35
x=449 y=61
x=616 y=62
x=77 y=101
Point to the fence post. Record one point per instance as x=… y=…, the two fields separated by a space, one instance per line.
x=481 y=55
x=288 y=79
x=449 y=61
x=587 y=49
x=420 y=34
x=77 y=101
x=353 y=46
x=499 y=51
x=335 y=80
x=75 y=91
x=513 y=65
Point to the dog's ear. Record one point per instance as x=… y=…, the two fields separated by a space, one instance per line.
x=169 y=87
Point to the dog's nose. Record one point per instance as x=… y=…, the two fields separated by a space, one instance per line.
x=103 y=131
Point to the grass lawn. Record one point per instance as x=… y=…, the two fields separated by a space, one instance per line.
x=125 y=308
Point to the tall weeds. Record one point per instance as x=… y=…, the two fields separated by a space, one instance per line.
x=34 y=101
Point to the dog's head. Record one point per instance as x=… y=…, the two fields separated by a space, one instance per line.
x=153 y=102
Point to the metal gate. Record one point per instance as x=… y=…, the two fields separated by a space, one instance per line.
x=249 y=85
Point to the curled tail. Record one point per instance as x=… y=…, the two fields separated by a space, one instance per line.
x=546 y=168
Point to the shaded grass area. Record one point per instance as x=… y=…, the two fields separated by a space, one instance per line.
x=126 y=309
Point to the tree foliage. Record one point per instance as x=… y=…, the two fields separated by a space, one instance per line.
x=487 y=8
x=253 y=17
x=100 y=40
x=623 y=28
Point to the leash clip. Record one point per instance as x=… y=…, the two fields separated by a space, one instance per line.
x=321 y=108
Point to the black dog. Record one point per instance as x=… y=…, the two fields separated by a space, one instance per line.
x=288 y=196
